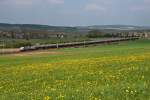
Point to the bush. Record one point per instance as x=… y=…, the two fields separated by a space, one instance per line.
x=95 y=34
x=98 y=34
x=18 y=44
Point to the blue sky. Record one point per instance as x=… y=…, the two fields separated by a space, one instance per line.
x=75 y=12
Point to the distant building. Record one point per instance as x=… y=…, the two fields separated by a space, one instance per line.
x=31 y=35
x=134 y=34
x=56 y=35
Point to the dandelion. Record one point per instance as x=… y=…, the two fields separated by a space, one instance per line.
x=135 y=91
x=1 y=87
x=88 y=83
x=127 y=91
x=77 y=90
x=47 y=98
x=132 y=92
x=61 y=96
x=107 y=85
x=53 y=89
x=95 y=98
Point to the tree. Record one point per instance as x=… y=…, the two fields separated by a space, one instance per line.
x=95 y=34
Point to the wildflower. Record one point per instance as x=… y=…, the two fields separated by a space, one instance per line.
x=77 y=90
x=107 y=84
x=127 y=91
x=131 y=92
x=47 y=98
x=135 y=91
x=142 y=76
x=1 y=87
x=95 y=98
x=88 y=82
x=61 y=96
x=53 y=89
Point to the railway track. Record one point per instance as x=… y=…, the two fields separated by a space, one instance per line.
x=63 y=45
x=74 y=44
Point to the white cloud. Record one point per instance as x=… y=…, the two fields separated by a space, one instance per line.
x=146 y=1
x=105 y=2
x=94 y=7
x=29 y=2
x=56 y=1
x=145 y=5
x=17 y=2
x=137 y=8
x=98 y=5
x=23 y=2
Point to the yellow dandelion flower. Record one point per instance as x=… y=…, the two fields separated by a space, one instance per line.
x=132 y=92
x=127 y=91
x=47 y=98
x=95 y=98
x=142 y=76
x=135 y=91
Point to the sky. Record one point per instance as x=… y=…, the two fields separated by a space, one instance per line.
x=75 y=12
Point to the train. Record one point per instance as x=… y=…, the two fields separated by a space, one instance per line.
x=74 y=44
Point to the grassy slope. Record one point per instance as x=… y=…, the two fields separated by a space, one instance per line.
x=109 y=72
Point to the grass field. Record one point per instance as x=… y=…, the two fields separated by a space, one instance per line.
x=106 y=72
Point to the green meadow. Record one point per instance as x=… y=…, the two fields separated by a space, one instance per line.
x=118 y=71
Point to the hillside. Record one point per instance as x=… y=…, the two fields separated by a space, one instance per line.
x=6 y=26
x=84 y=29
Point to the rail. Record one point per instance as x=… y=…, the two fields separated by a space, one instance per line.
x=74 y=44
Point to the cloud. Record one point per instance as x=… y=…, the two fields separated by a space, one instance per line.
x=98 y=5
x=144 y=6
x=29 y=2
x=17 y=2
x=138 y=8
x=56 y=1
x=105 y=2
x=94 y=7
x=23 y=2
x=147 y=1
